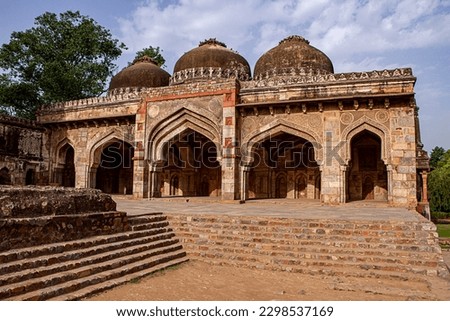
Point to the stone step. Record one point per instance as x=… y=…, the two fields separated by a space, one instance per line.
x=111 y=283
x=51 y=249
x=84 y=285
x=285 y=243
x=395 y=255
x=147 y=221
x=46 y=260
x=313 y=266
x=241 y=238
x=308 y=270
x=146 y=218
x=294 y=225
x=71 y=260
x=96 y=270
x=343 y=235
x=149 y=225
x=284 y=257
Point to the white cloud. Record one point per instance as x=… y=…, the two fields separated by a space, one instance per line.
x=356 y=34
x=339 y=28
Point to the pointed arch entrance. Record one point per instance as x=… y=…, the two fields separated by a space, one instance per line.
x=283 y=166
x=113 y=167
x=367 y=172
x=64 y=174
x=190 y=166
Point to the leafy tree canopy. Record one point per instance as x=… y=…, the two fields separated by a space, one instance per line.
x=61 y=58
x=436 y=156
x=439 y=184
x=154 y=53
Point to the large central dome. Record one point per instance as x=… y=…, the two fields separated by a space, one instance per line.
x=293 y=55
x=211 y=59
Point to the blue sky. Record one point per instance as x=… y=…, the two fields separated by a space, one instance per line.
x=357 y=35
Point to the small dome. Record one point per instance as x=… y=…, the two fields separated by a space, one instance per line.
x=211 y=59
x=293 y=55
x=143 y=73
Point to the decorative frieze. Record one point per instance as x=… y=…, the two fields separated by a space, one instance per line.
x=209 y=73
x=302 y=76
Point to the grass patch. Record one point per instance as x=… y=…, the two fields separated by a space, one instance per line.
x=135 y=280
x=443 y=230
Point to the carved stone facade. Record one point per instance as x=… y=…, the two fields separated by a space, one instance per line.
x=22 y=152
x=296 y=130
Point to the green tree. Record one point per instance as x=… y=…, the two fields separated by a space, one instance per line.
x=154 y=53
x=436 y=156
x=439 y=185
x=61 y=58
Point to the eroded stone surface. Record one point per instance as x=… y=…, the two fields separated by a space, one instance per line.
x=33 y=201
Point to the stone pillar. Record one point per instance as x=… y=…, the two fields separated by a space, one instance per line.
x=153 y=180
x=229 y=157
x=139 y=167
x=389 y=183
x=331 y=164
x=244 y=182
x=424 y=187
x=139 y=188
x=343 y=183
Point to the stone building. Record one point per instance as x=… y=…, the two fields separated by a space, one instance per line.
x=295 y=129
x=22 y=154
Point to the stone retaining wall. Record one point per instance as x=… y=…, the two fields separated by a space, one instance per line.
x=23 y=232
x=331 y=247
x=35 y=201
x=32 y=215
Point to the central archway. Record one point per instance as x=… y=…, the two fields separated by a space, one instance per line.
x=190 y=166
x=283 y=166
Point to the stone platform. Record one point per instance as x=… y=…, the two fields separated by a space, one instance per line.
x=362 y=239
x=289 y=208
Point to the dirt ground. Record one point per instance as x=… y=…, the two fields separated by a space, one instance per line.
x=198 y=281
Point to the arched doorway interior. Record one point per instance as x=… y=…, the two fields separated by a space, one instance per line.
x=192 y=157
x=64 y=174
x=284 y=166
x=367 y=178
x=115 y=168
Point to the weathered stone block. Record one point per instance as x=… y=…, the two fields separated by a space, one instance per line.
x=27 y=201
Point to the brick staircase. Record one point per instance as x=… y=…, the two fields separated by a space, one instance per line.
x=75 y=269
x=367 y=249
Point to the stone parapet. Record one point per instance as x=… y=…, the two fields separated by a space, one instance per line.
x=20 y=122
x=303 y=76
x=114 y=97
